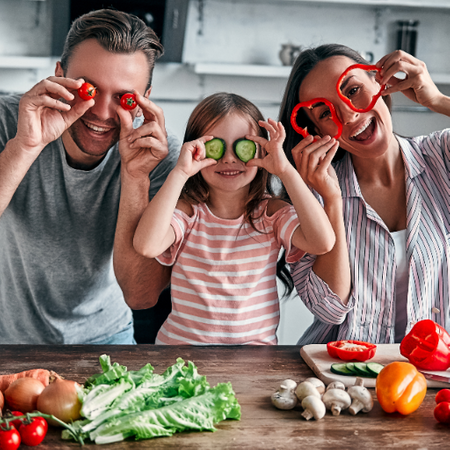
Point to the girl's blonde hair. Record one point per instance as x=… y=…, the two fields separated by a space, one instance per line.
x=205 y=115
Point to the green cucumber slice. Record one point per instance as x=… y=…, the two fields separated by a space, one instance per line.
x=351 y=367
x=245 y=149
x=361 y=369
x=340 y=369
x=374 y=368
x=215 y=148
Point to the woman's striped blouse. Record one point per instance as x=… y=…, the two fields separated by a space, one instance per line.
x=370 y=312
x=223 y=284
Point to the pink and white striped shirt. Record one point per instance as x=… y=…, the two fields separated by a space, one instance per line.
x=370 y=313
x=223 y=285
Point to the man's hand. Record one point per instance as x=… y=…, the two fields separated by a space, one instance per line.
x=43 y=114
x=142 y=149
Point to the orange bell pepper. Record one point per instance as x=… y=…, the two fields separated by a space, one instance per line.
x=400 y=387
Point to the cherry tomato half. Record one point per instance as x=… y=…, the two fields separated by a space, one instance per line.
x=33 y=433
x=87 y=91
x=128 y=101
x=443 y=396
x=9 y=439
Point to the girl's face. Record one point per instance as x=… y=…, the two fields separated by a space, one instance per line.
x=230 y=173
x=366 y=135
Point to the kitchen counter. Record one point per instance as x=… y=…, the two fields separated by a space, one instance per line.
x=255 y=372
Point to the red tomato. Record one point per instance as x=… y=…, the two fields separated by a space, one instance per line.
x=9 y=439
x=15 y=423
x=87 y=91
x=351 y=350
x=128 y=101
x=442 y=412
x=443 y=396
x=33 y=433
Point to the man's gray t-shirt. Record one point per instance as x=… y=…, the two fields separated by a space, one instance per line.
x=57 y=284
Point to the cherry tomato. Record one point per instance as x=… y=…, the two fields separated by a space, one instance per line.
x=33 y=433
x=128 y=101
x=87 y=91
x=442 y=412
x=9 y=439
x=443 y=396
x=15 y=423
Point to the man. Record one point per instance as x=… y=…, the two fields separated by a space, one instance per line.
x=75 y=177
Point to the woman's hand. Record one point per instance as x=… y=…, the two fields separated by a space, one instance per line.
x=313 y=162
x=275 y=160
x=192 y=157
x=417 y=86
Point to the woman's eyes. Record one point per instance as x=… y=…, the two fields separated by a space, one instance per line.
x=325 y=114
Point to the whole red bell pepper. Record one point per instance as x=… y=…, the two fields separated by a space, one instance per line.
x=427 y=346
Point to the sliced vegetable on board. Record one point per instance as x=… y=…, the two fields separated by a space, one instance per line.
x=350 y=350
x=427 y=346
x=400 y=387
x=360 y=369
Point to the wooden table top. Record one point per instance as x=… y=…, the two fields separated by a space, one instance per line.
x=255 y=373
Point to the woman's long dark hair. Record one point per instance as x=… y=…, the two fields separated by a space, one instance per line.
x=305 y=62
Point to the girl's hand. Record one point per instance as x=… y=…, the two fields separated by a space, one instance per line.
x=417 y=86
x=192 y=157
x=275 y=160
x=313 y=162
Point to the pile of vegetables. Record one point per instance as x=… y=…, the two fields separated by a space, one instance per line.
x=118 y=404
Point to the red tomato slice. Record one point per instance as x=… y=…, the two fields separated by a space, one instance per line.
x=351 y=350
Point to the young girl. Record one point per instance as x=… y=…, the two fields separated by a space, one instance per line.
x=224 y=234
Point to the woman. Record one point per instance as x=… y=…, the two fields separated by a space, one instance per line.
x=387 y=198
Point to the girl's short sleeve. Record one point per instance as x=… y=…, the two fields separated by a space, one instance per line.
x=180 y=223
x=285 y=222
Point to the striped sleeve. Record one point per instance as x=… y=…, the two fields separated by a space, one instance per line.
x=285 y=222
x=180 y=223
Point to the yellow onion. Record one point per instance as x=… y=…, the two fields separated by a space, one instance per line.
x=22 y=394
x=60 y=399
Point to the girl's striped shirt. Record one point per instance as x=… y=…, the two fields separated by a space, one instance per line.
x=370 y=312
x=223 y=284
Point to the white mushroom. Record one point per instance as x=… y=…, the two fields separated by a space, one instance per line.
x=318 y=384
x=336 y=400
x=313 y=407
x=336 y=385
x=284 y=398
x=361 y=398
x=289 y=384
x=306 y=388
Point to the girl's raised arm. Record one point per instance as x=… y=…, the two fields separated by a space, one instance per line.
x=154 y=234
x=315 y=234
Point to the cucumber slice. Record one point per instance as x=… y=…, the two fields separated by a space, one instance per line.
x=351 y=367
x=361 y=369
x=374 y=368
x=245 y=149
x=340 y=369
x=215 y=148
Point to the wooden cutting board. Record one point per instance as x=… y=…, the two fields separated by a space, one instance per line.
x=319 y=361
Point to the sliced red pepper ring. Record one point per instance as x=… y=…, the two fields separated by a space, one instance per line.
x=350 y=350
x=357 y=89
x=427 y=346
x=310 y=104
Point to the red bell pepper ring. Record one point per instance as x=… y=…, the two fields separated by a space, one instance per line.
x=351 y=350
x=427 y=346
x=309 y=104
x=346 y=100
